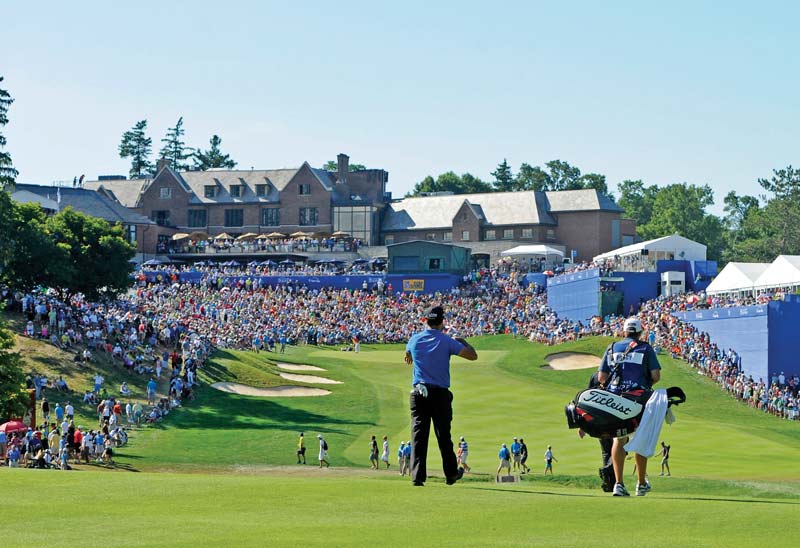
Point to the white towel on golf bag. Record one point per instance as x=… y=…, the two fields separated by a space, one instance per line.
x=646 y=437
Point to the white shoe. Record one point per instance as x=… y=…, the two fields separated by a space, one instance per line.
x=642 y=490
x=620 y=491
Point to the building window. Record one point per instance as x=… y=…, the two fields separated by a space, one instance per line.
x=131 y=231
x=270 y=216
x=197 y=218
x=210 y=191
x=508 y=234
x=434 y=264
x=234 y=217
x=165 y=193
x=465 y=235
x=261 y=190
x=388 y=239
x=431 y=237
x=527 y=233
x=447 y=237
x=551 y=234
x=489 y=235
x=161 y=217
x=308 y=216
x=236 y=191
x=304 y=189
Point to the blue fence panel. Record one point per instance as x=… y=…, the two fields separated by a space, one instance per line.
x=784 y=324
x=576 y=295
x=746 y=329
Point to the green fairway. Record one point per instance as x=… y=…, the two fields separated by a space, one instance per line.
x=221 y=470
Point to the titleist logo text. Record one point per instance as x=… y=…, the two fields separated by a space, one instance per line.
x=608 y=401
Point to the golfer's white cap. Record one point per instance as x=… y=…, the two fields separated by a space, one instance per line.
x=319 y=436
x=504 y=445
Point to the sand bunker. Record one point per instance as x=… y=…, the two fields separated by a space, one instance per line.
x=571 y=360
x=273 y=392
x=308 y=378
x=295 y=367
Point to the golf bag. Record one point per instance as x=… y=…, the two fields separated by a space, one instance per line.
x=603 y=414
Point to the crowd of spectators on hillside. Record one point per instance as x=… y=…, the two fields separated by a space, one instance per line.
x=166 y=330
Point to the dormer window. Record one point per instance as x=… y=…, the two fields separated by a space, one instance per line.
x=236 y=191
x=261 y=190
x=210 y=191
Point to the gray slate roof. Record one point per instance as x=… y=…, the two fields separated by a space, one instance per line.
x=580 y=200
x=89 y=202
x=495 y=208
x=501 y=208
x=125 y=192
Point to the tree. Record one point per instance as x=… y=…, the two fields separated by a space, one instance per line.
x=98 y=253
x=531 y=178
x=213 y=158
x=332 y=165
x=503 y=178
x=680 y=208
x=563 y=176
x=136 y=145
x=637 y=200
x=7 y=172
x=33 y=255
x=451 y=182
x=595 y=181
x=175 y=149
x=13 y=402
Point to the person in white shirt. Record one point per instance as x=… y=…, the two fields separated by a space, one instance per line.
x=323 y=451
x=69 y=411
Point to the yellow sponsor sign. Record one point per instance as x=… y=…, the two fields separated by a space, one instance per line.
x=413 y=285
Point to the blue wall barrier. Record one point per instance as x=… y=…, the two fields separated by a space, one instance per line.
x=784 y=323
x=536 y=278
x=636 y=286
x=746 y=329
x=576 y=295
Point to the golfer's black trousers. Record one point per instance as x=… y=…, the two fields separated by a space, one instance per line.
x=437 y=407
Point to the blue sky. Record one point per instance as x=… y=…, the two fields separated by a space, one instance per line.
x=684 y=91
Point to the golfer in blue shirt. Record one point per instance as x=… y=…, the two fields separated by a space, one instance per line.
x=431 y=400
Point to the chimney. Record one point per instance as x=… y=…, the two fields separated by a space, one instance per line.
x=344 y=166
x=161 y=164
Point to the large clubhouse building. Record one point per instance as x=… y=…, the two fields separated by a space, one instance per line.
x=581 y=223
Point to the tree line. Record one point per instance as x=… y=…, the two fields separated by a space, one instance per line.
x=137 y=146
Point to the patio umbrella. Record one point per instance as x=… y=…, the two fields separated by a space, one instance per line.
x=13 y=426
x=287 y=262
x=230 y=263
x=300 y=234
x=247 y=236
x=377 y=261
x=276 y=235
x=198 y=235
x=268 y=262
x=223 y=236
x=152 y=262
x=252 y=263
x=201 y=263
x=360 y=261
x=341 y=234
x=180 y=236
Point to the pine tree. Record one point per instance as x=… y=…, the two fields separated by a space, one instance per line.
x=137 y=146
x=175 y=149
x=503 y=178
x=213 y=158
x=7 y=171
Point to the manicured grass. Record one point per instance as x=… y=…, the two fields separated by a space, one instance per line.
x=225 y=472
x=330 y=508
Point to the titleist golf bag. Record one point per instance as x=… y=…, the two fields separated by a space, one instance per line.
x=603 y=414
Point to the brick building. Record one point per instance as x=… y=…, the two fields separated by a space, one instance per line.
x=314 y=200
x=583 y=221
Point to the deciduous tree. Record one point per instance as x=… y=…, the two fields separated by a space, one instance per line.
x=7 y=172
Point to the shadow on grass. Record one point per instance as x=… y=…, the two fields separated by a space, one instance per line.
x=215 y=410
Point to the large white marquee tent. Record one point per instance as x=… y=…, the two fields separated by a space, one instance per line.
x=644 y=255
x=737 y=278
x=782 y=273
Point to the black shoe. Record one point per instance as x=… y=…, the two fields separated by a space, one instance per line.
x=451 y=481
x=607 y=475
x=418 y=484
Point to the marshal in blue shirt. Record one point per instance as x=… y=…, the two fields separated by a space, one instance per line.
x=431 y=350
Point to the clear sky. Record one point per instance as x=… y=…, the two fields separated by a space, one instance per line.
x=702 y=92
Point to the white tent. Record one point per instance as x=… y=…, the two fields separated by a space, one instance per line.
x=669 y=247
x=783 y=272
x=539 y=249
x=737 y=278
